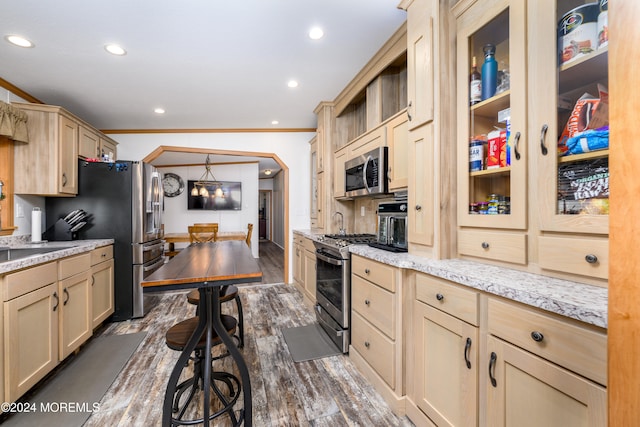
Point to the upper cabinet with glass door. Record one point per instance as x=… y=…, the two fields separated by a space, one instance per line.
x=491 y=143
x=569 y=114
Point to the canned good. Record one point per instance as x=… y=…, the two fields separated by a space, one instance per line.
x=578 y=32
x=483 y=208
x=473 y=208
x=492 y=204
x=504 y=207
x=476 y=155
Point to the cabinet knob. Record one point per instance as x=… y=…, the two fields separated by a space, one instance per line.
x=591 y=258
x=537 y=336
x=485 y=245
x=366 y=344
x=439 y=297
x=367 y=271
x=418 y=207
x=367 y=302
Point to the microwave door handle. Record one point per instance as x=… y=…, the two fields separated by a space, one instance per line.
x=364 y=173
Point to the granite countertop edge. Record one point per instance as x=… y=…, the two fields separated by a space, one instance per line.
x=580 y=301
x=72 y=247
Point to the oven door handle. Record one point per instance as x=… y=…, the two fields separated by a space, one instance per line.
x=154 y=266
x=325 y=258
x=153 y=247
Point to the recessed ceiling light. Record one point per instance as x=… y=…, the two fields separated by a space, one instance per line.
x=274 y=122
x=19 y=41
x=159 y=110
x=267 y=172
x=114 y=49
x=292 y=83
x=316 y=33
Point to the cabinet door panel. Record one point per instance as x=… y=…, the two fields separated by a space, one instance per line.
x=421 y=184
x=446 y=387
x=76 y=321
x=102 y=304
x=420 y=63
x=30 y=339
x=531 y=392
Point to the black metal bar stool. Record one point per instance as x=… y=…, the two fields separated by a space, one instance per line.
x=176 y=339
x=227 y=293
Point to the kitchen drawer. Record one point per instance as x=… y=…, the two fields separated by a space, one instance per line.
x=448 y=297
x=74 y=265
x=381 y=274
x=579 y=349
x=506 y=247
x=375 y=304
x=101 y=254
x=298 y=238
x=25 y=281
x=570 y=255
x=378 y=350
x=308 y=245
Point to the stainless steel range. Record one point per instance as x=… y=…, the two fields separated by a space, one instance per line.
x=333 y=284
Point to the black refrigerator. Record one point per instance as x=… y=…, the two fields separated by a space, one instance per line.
x=122 y=201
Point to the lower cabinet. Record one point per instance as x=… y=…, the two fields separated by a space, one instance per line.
x=475 y=359
x=47 y=313
x=102 y=292
x=304 y=266
x=445 y=352
x=376 y=327
x=310 y=271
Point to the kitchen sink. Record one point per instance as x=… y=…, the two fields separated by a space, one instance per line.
x=10 y=254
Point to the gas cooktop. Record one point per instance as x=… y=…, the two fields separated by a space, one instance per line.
x=338 y=244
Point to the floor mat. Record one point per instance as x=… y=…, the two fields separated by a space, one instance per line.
x=74 y=392
x=309 y=342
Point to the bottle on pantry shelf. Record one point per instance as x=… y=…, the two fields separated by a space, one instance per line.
x=475 y=84
x=489 y=72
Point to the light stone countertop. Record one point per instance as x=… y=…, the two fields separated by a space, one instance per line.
x=68 y=248
x=580 y=301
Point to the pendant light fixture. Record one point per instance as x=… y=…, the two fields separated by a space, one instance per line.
x=207 y=180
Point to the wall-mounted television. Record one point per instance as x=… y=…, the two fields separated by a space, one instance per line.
x=231 y=199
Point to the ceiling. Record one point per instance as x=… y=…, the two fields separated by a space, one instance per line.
x=208 y=64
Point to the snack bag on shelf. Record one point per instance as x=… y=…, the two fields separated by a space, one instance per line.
x=588 y=113
x=589 y=140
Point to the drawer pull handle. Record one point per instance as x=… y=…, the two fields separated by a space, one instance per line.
x=367 y=271
x=515 y=145
x=467 y=348
x=66 y=292
x=537 y=336
x=367 y=302
x=366 y=344
x=485 y=245
x=492 y=368
x=439 y=297
x=591 y=258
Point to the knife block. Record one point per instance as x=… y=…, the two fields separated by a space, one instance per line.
x=60 y=231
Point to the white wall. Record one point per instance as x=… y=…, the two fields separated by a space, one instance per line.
x=291 y=147
x=176 y=217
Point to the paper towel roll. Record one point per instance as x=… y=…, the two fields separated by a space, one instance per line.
x=36 y=225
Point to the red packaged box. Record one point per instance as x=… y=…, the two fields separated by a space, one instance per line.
x=493 y=149
x=503 y=148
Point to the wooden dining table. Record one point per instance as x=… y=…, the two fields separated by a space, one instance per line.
x=208 y=267
x=173 y=238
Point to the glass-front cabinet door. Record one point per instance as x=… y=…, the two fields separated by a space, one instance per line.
x=491 y=115
x=569 y=114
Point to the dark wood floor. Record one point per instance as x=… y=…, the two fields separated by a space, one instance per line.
x=271 y=261
x=324 y=392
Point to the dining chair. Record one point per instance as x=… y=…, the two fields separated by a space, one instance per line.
x=203 y=233
x=249 y=231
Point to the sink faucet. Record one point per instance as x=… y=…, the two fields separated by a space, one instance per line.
x=341 y=231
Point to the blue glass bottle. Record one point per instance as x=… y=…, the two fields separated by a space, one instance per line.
x=489 y=72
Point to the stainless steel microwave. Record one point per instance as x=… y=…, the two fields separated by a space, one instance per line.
x=367 y=174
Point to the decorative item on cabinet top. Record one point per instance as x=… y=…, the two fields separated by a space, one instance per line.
x=13 y=123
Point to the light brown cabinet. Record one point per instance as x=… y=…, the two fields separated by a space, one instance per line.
x=102 y=292
x=304 y=266
x=74 y=289
x=420 y=61
x=421 y=186
x=376 y=326
x=445 y=352
x=30 y=347
x=48 y=164
x=398 y=143
x=542 y=370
